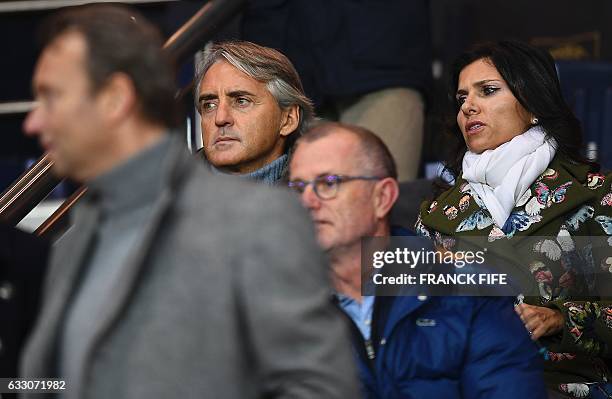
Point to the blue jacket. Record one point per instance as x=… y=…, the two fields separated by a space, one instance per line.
x=447 y=347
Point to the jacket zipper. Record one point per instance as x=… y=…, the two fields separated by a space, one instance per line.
x=369 y=349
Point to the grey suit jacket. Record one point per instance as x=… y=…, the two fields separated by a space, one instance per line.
x=226 y=295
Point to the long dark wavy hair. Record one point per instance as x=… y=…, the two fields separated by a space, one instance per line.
x=531 y=75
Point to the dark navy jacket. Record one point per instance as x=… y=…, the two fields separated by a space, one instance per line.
x=344 y=48
x=448 y=347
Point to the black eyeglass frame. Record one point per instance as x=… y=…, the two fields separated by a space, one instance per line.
x=300 y=185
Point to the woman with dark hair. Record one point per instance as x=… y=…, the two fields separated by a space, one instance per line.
x=519 y=173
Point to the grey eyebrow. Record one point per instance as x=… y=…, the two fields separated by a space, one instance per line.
x=240 y=93
x=206 y=97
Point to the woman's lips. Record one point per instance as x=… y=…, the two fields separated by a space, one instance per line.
x=474 y=127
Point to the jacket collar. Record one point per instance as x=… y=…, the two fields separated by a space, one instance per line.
x=555 y=193
x=67 y=261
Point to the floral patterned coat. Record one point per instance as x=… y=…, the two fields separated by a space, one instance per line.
x=568 y=211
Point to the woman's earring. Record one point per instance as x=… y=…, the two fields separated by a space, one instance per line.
x=534 y=121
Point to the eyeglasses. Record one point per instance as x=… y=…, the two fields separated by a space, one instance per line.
x=326 y=186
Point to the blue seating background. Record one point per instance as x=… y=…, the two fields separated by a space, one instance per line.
x=587 y=87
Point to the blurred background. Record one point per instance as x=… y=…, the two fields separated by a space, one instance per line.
x=577 y=34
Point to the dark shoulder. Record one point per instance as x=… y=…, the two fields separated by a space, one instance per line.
x=429 y=205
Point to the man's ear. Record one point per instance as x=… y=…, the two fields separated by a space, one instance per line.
x=290 y=120
x=386 y=192
x=117 y=97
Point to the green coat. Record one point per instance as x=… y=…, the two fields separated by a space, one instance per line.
x=559 y=233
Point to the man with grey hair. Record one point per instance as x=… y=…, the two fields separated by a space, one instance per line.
x=167 y=284
x=253 y=109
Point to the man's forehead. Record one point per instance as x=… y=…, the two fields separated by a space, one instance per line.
x=69 y=44
x=335 y=153
x=62 y=55
x=224 y=76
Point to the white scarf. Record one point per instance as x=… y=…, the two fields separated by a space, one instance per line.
x=501 y=176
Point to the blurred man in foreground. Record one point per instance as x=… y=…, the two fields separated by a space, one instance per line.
x=168 y=284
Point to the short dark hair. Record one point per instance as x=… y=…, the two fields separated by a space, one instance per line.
x=375 y=155
x=120 y=39
x=531 y=76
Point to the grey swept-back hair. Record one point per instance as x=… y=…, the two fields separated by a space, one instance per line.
x=264 y=65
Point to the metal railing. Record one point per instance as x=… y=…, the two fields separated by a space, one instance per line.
x=38 y=181
x=37 y=5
